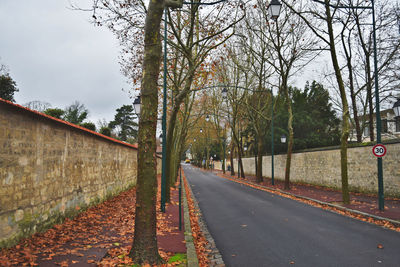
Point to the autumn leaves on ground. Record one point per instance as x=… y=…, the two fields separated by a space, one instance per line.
x=106 y=229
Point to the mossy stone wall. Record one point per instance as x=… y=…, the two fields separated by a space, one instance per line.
x=50 y=170
x=323 y=168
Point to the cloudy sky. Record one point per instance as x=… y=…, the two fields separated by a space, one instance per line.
x=56 y=55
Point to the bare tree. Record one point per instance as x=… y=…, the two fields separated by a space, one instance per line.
x=38 y=105
x=292 y=47
x=320 y=17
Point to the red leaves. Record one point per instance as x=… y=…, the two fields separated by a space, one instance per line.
x=88 y=231
x=107 y=227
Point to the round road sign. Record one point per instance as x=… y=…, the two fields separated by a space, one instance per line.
x=379 y=150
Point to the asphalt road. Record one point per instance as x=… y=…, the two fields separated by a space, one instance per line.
x=256 y=228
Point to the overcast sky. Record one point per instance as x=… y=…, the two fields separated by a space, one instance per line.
x=56 y=55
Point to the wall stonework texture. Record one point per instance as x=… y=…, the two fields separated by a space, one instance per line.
x=323 y=168
x=49 y=170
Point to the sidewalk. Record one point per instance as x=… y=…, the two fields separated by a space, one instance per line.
x=360 y=204
x=105 y=229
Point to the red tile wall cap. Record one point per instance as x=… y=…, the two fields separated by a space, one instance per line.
x=67 y=123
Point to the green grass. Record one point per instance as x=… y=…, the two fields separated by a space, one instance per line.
x=179 y=257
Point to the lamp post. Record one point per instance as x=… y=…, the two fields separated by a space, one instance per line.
x=274 y=9
x=283 y=139
x=225 y=97
x=224 y=148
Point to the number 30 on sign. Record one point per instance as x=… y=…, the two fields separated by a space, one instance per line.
x=379 y=150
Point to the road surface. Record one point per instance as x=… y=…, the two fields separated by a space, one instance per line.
x=256 y=228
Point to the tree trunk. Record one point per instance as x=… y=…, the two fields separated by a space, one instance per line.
x=371 y=110
x=170 y=134
x=290 y=146
x=240 y=153
x=353 y=95
x=144 y=247
x=259 y=160
x=345 y=109
x=232 y=166
x=290 y=143
x=355 y=112
x=169 y=150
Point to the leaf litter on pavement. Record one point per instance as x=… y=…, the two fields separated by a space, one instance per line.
x=103 y=229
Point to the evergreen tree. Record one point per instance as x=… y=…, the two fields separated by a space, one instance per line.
x=7 y=87
x=124 y=123
x=316 y=124
x=54 y=112
x=76 y=113
x=89 y=125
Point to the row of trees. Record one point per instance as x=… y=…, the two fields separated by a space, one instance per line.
x=123 y=127
x=238 y=47
x=266 y=54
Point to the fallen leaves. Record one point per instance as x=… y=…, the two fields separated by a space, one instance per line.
x=199 y=239
x=107 y=227
x=380 y=246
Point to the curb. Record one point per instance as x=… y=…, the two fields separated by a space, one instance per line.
x=191 y=255
x=378 y=218
x=215 y=256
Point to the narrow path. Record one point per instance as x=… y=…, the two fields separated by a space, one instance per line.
x=257 y=228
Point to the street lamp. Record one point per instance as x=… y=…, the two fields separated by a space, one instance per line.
x=136 y=105
x=224 y=148
x=283 y=139
x=207 y=118
x=224 y=93
x=274 y=8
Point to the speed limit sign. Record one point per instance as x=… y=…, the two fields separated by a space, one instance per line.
x=379 y=150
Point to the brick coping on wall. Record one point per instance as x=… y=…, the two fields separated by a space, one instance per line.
x=349 y=146
x=10 y=104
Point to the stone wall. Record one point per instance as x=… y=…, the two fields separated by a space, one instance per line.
x=50 y=169
x=323 y=168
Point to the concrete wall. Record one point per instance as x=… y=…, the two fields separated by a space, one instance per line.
x=323 y=168
x=50 y=169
